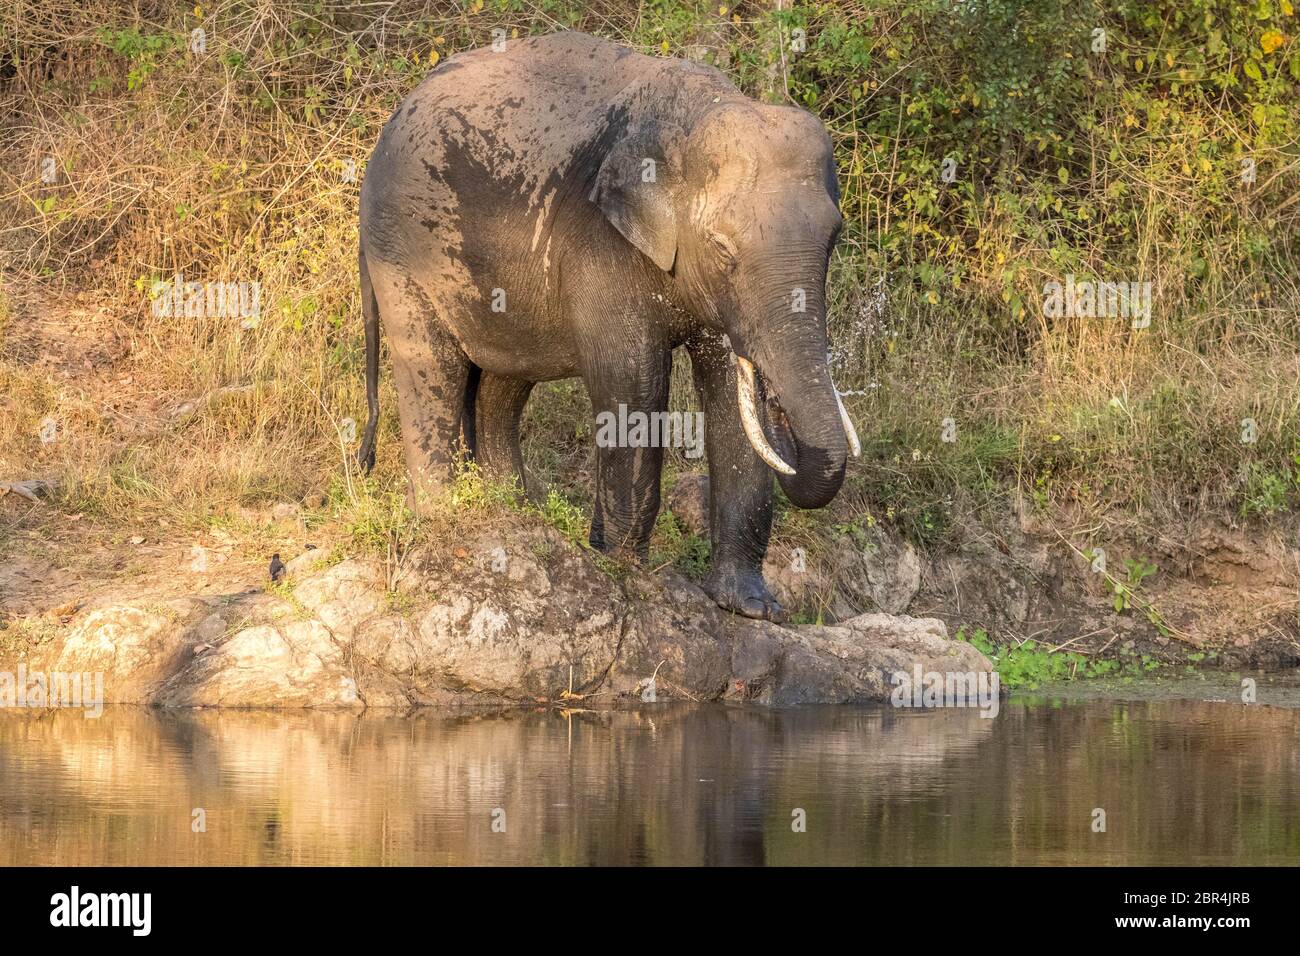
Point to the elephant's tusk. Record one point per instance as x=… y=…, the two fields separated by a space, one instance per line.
x=852 y=433
x=745 y=389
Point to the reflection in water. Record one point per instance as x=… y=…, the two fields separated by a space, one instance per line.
x=1180 y=781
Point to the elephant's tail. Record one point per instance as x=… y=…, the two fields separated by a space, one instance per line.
x=370 y=311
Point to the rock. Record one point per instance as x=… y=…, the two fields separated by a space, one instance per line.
x=309 y=560
x=64 y=612
x=986 y=585
x=523 y=615
x=673 y=623
x=898 y=641
x=295 y=665
x=134 y=648
x=211 y=628
x=517 y=628
x=689 y=502
x=1220 y=554
x=343 y=596
x=795 y=580
x=874 y=570
x=892 y=570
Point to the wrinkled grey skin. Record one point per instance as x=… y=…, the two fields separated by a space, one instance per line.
x=516 y=177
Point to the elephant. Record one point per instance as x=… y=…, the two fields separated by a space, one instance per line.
x=564 y=206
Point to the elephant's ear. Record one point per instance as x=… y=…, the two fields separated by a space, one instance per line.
x=636 y=185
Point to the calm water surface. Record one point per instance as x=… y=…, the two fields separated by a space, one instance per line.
x=1181 y=781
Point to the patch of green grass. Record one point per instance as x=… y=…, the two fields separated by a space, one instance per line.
x=1028 y=665
x=1268 y=490
x=673 y=545
x=474 y=494
x=284 y=591
x=1137 y=571
x=565 y=517
x=372 y=515
x=920 y=475
x=809 y=615
x=399 y=602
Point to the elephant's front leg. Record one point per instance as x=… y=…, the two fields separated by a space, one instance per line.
x=740 y=490
x=627 y=391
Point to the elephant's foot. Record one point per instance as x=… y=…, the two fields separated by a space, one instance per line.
x=744 y=591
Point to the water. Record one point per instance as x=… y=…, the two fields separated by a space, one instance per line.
x=1181 y=782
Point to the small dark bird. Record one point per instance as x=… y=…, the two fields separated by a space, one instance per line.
x=277 y=567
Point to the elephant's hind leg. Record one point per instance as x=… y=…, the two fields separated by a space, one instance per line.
x=498 y=406
x=431 y=374
x=627 y=473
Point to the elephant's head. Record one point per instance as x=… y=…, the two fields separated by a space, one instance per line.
x=743 y=211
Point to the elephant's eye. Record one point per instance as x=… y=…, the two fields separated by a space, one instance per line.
x=723 y=246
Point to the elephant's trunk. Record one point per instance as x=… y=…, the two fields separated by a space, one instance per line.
x=803 y=417
x=791 y=411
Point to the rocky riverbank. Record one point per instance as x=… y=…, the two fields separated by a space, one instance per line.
x=519 y=616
